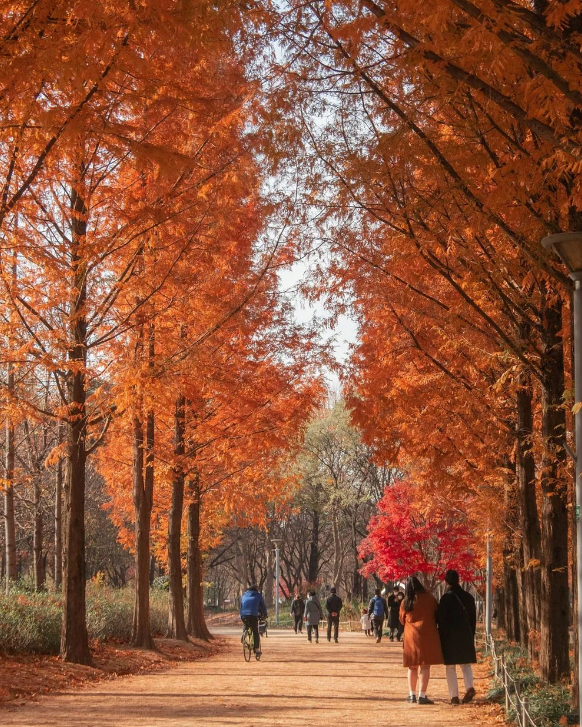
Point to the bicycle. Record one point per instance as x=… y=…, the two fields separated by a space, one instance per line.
x=248 y=643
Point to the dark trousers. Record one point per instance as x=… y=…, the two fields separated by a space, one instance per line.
x=332 y=621
x=253 y=622
x=298 y=625
x=378 y=626
x=315 y=629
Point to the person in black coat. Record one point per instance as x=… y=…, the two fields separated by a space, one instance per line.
x=457 y=621
x=297 y=609
x=394 y=625
x=333 y=606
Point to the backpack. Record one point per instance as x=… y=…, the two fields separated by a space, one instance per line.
x=378 y=606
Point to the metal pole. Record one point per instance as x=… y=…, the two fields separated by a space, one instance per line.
x=577 y=277
x=489 y=594
x=277 y=584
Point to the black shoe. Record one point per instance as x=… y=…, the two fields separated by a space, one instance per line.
x=392 y=638
x=469 y=695
x=425 y=700
x=329 y=640
x=336 y=641
x=411 y=698
x=317 y=641
x=455 y=700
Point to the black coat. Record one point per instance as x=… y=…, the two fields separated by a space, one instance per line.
x=298 y=607
x=457 y=621
x=333 y=604
x=393 y=611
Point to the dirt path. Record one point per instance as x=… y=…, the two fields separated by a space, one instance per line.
x=355 y=682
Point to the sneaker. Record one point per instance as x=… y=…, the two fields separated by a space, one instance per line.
x=411 y=699
x=425 y=700
x=455 y=700
x=469 y=695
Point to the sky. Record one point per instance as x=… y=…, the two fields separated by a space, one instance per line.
x=345 y=333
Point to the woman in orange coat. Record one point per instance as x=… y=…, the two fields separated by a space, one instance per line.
x=422 y=645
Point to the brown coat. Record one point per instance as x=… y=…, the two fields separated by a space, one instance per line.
x=422 y=645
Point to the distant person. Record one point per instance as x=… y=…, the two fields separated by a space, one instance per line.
x=313 y=615
x=366 y=622
x=253 y=607
x=333 y=606
x=422 y=646
x=394 y=625
x=378 y=610
x=297 y=611
x=457 y=621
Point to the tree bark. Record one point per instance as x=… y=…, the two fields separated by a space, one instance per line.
x=39 y=563
x=314 y=548
x=9 y=519
x=58 y=579
x=74 y=638
x=529 y=516
x=196 y=622
x=555 y=610
x=176 y=618
x=143 y=501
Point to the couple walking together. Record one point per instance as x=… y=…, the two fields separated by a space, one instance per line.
x=313 y=614
x=438 y=633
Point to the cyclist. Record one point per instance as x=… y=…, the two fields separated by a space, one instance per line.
x=253 y=607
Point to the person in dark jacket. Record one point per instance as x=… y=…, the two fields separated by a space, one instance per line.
x=333 y=606
x=253 y=607
x=394 y=625
x=378 y=610
x=457 y=621
x=297 y=609
x=313 y=615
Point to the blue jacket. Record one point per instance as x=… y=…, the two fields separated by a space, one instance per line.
x=252 y=604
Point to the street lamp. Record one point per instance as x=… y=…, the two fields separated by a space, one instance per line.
x=277 y=542
x=568 y=247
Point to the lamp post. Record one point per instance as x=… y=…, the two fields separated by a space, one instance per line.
x=277 y=542
x=568 y=247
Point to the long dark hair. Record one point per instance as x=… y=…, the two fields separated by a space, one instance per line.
x=413 y=588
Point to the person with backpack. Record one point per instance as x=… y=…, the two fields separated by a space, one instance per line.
x=378 y=609
x=333 y=606
x=297 y=611
x=457 y=621
x=313 y=615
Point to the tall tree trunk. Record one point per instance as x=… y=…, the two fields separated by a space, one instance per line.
x=142 y=501
x=9 y=518
x=270 y=575
x=176 y=619
x=314 y=548
x=529 y=516
x=196 y=622
x=39 y=563
x=74 y=638
x=58 y=580
x=555 y=610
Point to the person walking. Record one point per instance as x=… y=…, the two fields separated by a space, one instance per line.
x=378 y=609
x=394 y=625
x=422 y=645
x=297 y=611
x=313 y=615
x=457 y=620
x=366 y=622
x=333 y=606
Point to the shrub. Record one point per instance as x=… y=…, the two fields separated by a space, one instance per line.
x=31 y=622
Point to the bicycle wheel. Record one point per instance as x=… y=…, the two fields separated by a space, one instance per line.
x=248 y=644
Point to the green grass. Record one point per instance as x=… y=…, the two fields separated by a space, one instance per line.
x=31 y=622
